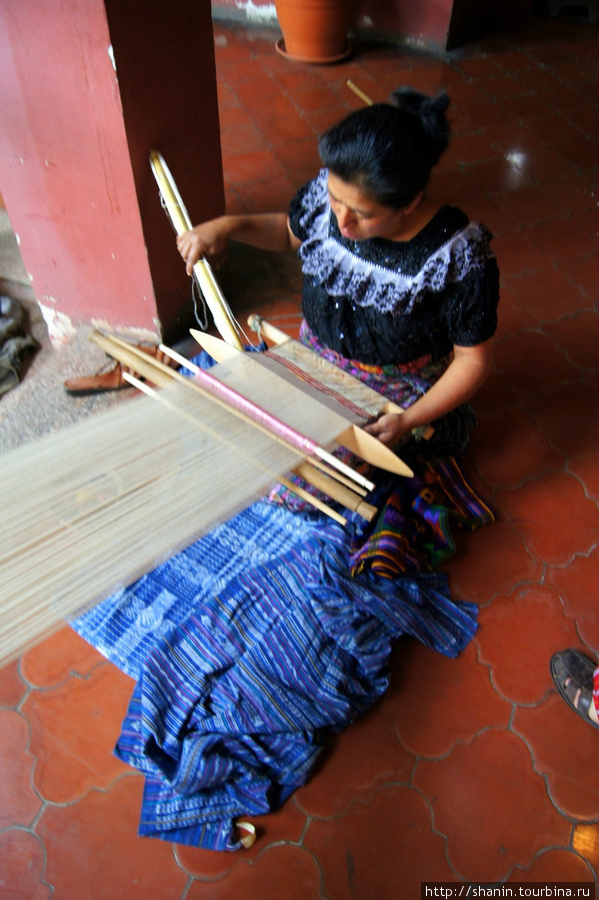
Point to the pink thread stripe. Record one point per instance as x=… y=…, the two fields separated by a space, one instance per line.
x=256 y=413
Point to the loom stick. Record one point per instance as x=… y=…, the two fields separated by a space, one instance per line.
x=262 y=416
x=210 y=387
x=353 y=438
x=333 y=473
x=229 y=352
x=359 y=92
x=367 y=510
x=275 y=426
x=333 y=489
x=313 y=501
x=223 y=317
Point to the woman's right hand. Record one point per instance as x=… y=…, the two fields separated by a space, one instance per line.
x=266 y=231
x=208 y=239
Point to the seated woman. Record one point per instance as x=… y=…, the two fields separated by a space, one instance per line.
x=399 y=289
x=232 y=706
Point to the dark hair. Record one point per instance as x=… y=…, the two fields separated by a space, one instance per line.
x=389 y=149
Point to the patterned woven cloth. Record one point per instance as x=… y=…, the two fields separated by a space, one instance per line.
x=414 y=530
x=232 y=706
x=247 y=648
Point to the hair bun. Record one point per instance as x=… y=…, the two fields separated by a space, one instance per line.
x=420 y=105
x=431 y=112
x=389 y=149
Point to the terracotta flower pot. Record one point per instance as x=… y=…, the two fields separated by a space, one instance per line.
x=315 y=30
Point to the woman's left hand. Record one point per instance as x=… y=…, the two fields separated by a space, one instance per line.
x=460 y=381
x=388 y=428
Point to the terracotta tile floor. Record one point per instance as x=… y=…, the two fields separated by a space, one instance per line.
x=469 y=770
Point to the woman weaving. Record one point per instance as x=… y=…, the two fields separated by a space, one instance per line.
x=399 y=290
x=231 y=709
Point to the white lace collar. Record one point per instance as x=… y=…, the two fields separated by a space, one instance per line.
x=344 y=272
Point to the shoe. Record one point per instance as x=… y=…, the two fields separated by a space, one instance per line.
x=11 y=318
x=111 y=379
x=11 y=362
x=104 y=380
x=572 y=673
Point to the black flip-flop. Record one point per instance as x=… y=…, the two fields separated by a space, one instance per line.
x=572 y=673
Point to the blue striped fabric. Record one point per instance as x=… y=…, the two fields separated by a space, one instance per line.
x=127 y=625
x=232 y=705
x=248 y=648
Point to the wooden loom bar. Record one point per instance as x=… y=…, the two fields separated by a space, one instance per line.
x=223 y=318
x=341 y=494
x=364 y=509
x=353 y=493
x=223 y=395
x=161 y=374
x=352 y=437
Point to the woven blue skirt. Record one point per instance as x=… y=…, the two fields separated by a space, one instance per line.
x=248 y=648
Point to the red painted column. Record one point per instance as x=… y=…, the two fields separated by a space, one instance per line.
x=87 y=90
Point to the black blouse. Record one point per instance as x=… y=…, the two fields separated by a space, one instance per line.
x=385 y=302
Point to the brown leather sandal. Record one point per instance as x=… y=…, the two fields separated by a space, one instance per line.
x=110 y=376
x=106 y=379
